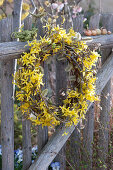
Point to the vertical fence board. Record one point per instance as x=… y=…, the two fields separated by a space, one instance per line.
x=88 y=138
x=61 y=86
x=17 y=14
x=42 y=137
x=42 y=133
x=7 y=117
x=26 y=124
x=94 y=21
x=107 y=22
x=89 y=122
x=78 y=23
x=75 y=143
x=76 y=135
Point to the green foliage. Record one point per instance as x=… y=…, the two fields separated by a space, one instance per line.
x=25 y=35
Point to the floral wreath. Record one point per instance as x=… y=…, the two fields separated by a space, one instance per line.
x=34 y=102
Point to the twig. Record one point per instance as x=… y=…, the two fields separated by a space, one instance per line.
x=3 y=11
x=34 y=6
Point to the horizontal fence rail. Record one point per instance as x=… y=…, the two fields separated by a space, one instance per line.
x=13 y=50
x=57 y=141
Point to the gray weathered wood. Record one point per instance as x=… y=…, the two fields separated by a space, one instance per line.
x=88 y=138
x=42 y=133
x=61 y=86
x=94 y=21
x=104 y=74
x=78 y=23
x=75 y=139
x=17 y=14
x=89 y=121
x=12 y=50
x=7 y=117
x=27 y=147
x=103 y=139
x=75 y=145
x=107 y=22
x=57 y=141
x=26 y=124
x=42 y=137
x=104 y=119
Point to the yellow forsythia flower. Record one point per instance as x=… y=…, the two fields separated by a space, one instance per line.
x=25 y=7
x=10 y=1
x=24 y=15
x=1 y=2
x=0 y=17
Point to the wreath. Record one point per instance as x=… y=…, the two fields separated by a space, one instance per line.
x=34 y=102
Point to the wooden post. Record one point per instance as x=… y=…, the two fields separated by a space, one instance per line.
x=61 y=85
x=76 y=135
x=17 y=14
x=42 y=133
x=26 y=124
x=88 y=139
x=107 y=22
x=78 y=24
x=94 y=21
x=89 y=122
x=7 y=117
x=75 y=144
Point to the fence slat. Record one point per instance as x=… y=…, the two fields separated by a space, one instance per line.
x=89 y=122
x=76 y=135
x=57 y=141
x=88 y=138
x=42 y=133
x=7 y=117
x=61 y=85
x=103 y=141
x=94 y=21
x=75 y=142
x=26 y=124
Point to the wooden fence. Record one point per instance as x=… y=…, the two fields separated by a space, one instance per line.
x=13 y=50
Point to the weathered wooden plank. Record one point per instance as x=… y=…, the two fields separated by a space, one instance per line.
x=12 y=50
x=61 y=86
x=107 y=21
x=27 y=147
x=104 y=41
x=26 y=124
x=57 y=141
x=94 y=21
x=104 y=74
x=7 y=117
x=89 y=121
x=42 y=137
x=75 y=139
x=104 y=119
x=88 y=138
x=42 y=132
x=75 y=147
x=17 y=12
x=78 y=23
